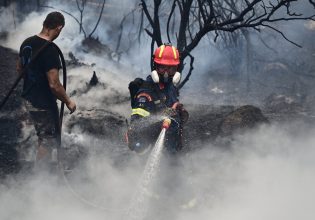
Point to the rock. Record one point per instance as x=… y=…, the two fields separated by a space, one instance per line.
x=99 y=123
x=73 y=60
x=244 y=117
x=207 y=123
x=8 y=160
x=92 y=45
x=204 y=122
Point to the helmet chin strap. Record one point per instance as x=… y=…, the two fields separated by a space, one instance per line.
x=156 y=78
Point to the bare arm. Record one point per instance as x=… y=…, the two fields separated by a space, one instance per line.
x=58 y=90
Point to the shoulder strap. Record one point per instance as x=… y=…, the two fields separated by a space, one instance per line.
x=31 y=61
x=33 y=58
x=23 y=72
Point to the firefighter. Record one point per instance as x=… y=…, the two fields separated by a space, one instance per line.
x=155 y=104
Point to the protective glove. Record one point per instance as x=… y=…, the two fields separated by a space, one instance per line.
x=183 y=113
x=169 y=112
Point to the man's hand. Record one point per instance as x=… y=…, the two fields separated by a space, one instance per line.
x=58 y=90
x=71 y=106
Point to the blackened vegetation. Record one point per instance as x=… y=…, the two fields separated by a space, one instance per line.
x=100 y=123
x=93 y=83
x=186 y=23
x=73 y=60
x=93 y=45
x=213 y=123
x=244 y=117
x=11 y=115
x=206 y=124
x=81 y=5
x=105 y=129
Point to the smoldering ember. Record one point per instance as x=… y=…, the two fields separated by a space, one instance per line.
x=237 y=143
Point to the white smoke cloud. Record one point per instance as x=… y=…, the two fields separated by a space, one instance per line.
x=32 y=25
x=269 y=175
x=266 y=174
x=7 y=18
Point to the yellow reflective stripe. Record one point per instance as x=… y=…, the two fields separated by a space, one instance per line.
x=174 y=51
x=140 y=111
x=161 y=50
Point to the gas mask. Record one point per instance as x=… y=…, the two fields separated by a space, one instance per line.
x=165 y=78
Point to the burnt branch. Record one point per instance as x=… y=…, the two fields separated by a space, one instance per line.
x=272 y=28
x=223 y=18
x=98 y=20
x=181 y=42
x=156 y=28
x=267 y=46
x=121 y=27
x=192 y=59
x=146 y=12
x=151 y=58
x=169 y=20
x=81 y=9
x=149 y=33
x=155 y=23
x=140 y=27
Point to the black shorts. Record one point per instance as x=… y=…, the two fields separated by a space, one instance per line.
x=46 y=123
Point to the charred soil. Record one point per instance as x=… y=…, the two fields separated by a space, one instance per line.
x=206 y=123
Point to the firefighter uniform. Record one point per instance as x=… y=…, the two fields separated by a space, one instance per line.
x=156 y=99
x=154 y=102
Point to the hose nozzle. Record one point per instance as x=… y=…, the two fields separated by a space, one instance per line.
x=166 y=123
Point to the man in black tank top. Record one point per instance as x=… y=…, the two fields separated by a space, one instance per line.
x=42 y=86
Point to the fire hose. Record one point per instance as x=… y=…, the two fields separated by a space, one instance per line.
x=24 y=71
x=64 y=83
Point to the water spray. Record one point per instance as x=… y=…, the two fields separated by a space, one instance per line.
x=140 y=203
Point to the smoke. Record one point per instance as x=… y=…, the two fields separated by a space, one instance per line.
x=267 y=173
x=7 y=18
x=270 y=177
x=213 y=70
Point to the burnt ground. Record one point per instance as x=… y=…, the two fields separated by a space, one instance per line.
x=11 y=116
x=206 y=123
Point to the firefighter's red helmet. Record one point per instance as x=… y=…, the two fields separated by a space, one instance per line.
x=166 y=55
